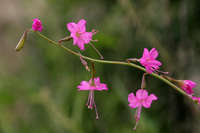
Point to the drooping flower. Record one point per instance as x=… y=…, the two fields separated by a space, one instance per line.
x=148 y=60
x=91 y=86
x=140 y=100
x=37 y=25
x=187 y=86
x=79 y=34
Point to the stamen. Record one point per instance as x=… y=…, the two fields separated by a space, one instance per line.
x=87 y=104
x=97 y=116
x=137 y=116
x=91 y=103
x=166 y=73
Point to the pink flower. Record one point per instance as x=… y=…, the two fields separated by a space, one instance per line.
x=196 y=99
x=92 y=85
x=187 y=86
x=37 y=25
x=141 y=99
x=79 y=34
x=148 y=60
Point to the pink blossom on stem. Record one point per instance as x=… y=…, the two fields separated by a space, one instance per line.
x=37 y=25
x=148 y=60
x=79 y=34
x=187 y=86
x=141 y=99
x=91 y=86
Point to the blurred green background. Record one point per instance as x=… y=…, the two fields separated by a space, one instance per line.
x=38 y=91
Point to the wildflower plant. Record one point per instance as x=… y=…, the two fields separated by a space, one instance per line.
x=148 y=63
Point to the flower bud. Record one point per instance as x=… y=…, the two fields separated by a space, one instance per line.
x=143 y=84
x=21 y=42
x=84 y=64
x=187 y=86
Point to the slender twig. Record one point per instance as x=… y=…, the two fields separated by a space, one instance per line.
x=101 y=56
x=115 y=62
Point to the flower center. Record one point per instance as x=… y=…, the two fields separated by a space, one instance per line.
x=148 y=59
x=78 y=34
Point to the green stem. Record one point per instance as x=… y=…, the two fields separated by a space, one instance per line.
x=115 y=62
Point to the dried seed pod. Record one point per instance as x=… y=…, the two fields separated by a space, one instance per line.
x=21 y=42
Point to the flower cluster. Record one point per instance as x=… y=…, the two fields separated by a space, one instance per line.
x=148 y=61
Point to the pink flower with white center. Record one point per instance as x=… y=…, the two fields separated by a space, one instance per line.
x=141 y=99
x=37 y=25
x=79 y=34
x=149 y=61
x=187 y=86
x=91 y=86
x=196 y=99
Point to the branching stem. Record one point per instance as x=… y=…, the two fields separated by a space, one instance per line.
x=114 y=62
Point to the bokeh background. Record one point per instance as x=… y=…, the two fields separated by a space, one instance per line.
x=38 y=85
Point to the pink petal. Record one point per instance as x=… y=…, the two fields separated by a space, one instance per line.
x=141 y=94
x=187 y=86
x=154 y=53
x=131 y=96
x=147 y=102
x=100 y=86
x=155 y=62
x=75 y=39
x=40 y=28
x=72 y=27
x=188 y=90
x=80 y=44
x=149 y=69
x=84 y=85
x=133 y=102
x=37 y=25
x=190 y=83
x=97 y=80
x=146 y=53
x=87 y=37
x=82 y=24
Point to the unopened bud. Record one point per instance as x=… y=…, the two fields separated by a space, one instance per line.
x=143 y=84
x=84 y=64
x=21 y=42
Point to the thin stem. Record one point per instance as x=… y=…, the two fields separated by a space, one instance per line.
x=115 y=62
x=101 y=56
